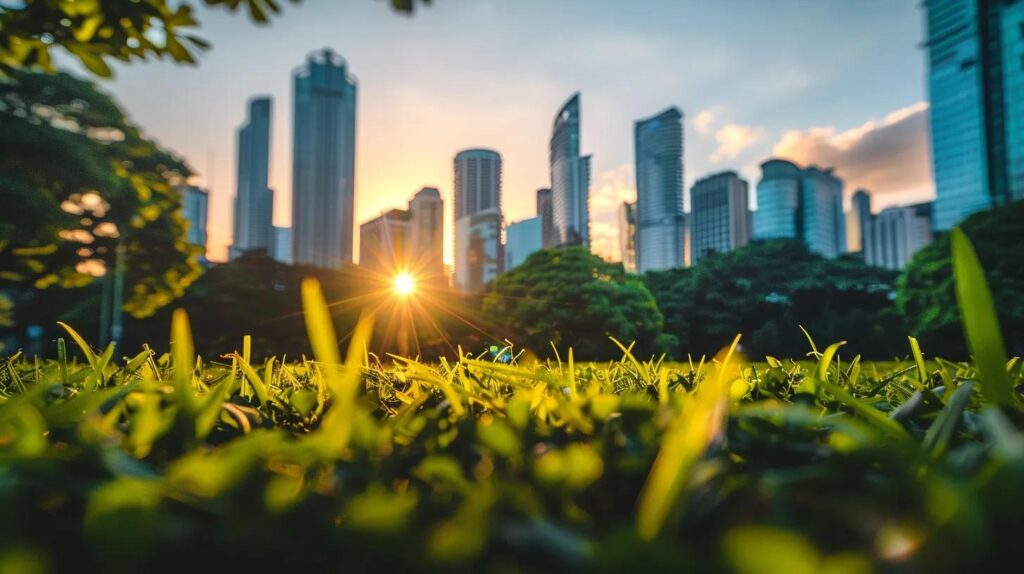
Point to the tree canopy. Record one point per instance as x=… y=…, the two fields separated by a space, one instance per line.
x=766 y=290
x=571 y=298
x=77 y=180
x=926 y=291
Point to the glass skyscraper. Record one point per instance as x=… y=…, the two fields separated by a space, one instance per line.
x=627 y=236
x=254 y=201
x=194 y=208
x=805 y=204
x=522 y=239
x=323 y=162
x=976 y=88
x=570 y=178
x=426 y=238
x=719 y=215
x=660 y=224
x=478 y=218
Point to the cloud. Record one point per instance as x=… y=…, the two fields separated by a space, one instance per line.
x=888 y=157
x=733 y=139
x=607 y=192
x=704 y=118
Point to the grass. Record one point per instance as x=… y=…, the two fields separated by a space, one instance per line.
x=164 y=462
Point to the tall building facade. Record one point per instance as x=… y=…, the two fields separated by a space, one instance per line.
x=323 y=161
x=976 y=88
x=805 y=204
x=545 y=212
x=384 y=242
x=478 y=219
x=570 y=179
x=896 y=233
x=857 y=222
x=660 y=224
x=195 y=203
x=627 y=235
x=426 y=234
x=282 y=251
x=254 y=200
x=522 y=239
x=719 y=215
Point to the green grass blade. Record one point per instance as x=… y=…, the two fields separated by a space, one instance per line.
x=922 y=371
x=981 y=327
x=183 y=357
x=86 y=349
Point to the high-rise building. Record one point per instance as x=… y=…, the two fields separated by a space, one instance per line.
x=282 y=251
x=857 y=221
x=522 y=239
x=194 y=208
x=976 y=88
x=478 y=218
x=570 y=179
x=254 y=200
x=384 y=242
x=896 y=233
x=426 y=234
x=805 y=204
x=545 y=212
x=627 y=235
x=323 y=161
x=719 y=215
x=660 y=224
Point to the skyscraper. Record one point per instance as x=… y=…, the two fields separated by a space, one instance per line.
x=627 y=236
x=857 y=222
x=522 y=239
x=805 y=204
x=282 y=251
x=660 y=226
x=194 y=208
x=546 y=214
x=570 y=179
x=478 y=219
x=426 y=234
x=719 y=215
x=896 y=233
x=976 y=88
x=384 y=242
x=323 y=161
x=254 y=201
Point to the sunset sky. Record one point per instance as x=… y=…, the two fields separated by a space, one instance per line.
x=838 y=83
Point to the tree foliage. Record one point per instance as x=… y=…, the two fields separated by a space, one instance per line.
x=77 y=180
x=98 y=31
x=767 y=290
x=926 y=292
x=571 y=298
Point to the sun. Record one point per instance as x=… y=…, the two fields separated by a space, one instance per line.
x=405 y=284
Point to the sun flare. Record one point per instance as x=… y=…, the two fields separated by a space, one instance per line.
x=405 y=284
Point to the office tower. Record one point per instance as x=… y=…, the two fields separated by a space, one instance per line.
x=660 y=227
x=522 y=239
x=570 y=179
x=254 y=200
x=323 y=161
x=896 y=233
x=426 y=235
x=545 y=212
x=719 y=216
x=805 y=204
x=478 y=218
x=194 y=204
x=857 y=221
x=627 y=236
x=976 y=88
x=282 y=251
x=384 y=242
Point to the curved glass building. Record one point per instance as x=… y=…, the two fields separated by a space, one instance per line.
x=570 y=178
x=660 y=226
x=778 y=195
x=478 y=219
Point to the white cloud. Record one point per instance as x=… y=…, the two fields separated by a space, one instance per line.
x=704 y=118
x=888 y=157
x=733 y=139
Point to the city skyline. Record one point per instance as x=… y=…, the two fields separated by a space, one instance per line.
x=426 y=104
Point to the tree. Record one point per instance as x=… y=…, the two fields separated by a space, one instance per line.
x=926 y=290
x=96 y=31
x=766 y=290
x=78 y=181
x=571 y=298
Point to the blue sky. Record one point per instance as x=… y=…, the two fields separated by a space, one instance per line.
x=837 y=82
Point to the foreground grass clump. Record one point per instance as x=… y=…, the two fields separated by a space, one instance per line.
x=173 y=462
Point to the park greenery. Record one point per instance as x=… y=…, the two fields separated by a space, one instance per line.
x=160 y=461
